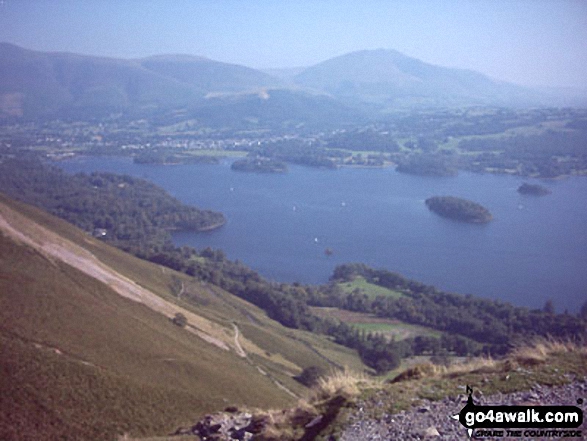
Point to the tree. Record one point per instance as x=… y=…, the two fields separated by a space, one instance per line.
x=548 y=307
x=180 y=320
x=583 y=311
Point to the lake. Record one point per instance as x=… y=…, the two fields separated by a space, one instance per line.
x=281 y=224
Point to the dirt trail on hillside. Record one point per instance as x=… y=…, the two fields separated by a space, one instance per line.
x=59 y=249
x=239 y=349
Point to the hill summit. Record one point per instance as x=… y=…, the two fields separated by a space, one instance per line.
x=389 y=77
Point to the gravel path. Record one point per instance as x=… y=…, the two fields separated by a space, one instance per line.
x=431 y=420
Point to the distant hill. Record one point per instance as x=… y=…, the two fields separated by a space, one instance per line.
x=208 y=76
x=89 y=350
x=274 y=108
x=39 y=83
x=387 y=77
x=63 y=85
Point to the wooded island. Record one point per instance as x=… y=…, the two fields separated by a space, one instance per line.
x=459 y=209
x=533 y=189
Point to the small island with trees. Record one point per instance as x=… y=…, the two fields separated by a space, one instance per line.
x=259 y=165
x=533 y=189
x=459 y=209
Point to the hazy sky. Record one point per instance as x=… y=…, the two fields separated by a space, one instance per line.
x=531 y=42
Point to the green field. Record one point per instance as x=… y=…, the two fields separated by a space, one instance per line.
x=398 y=330
x=370 y=289
x=393 y=329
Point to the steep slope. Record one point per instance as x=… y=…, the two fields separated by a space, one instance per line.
x=391 y=78
x=89 y=350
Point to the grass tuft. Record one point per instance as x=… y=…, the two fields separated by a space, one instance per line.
x=539 y=350
x=345 y=383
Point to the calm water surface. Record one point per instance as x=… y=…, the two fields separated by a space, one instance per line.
x=280 y=225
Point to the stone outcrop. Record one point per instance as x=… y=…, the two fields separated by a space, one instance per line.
x=225 y=426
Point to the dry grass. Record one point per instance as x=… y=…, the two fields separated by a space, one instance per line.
x=430 y=370
x=345 y=383
x=474 y=365
x=319 y=409
x=340 y=388
x=418 y=371
x=323 y=412
x=539 y=350
x=529 y=354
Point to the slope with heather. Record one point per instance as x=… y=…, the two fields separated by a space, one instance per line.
x=89 y=349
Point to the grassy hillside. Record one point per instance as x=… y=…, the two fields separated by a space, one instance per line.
x=80 y=361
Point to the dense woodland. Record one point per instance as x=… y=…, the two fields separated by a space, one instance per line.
x=427 y=165
x=123 y=210
x=363 y=140
x=547 y=155
x=168 y=157
x=301 y=152
x=258 y=164
x=137 y=216
x=459 y=209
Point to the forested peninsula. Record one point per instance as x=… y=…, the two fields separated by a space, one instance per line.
x=123 y=210
x=459 y=209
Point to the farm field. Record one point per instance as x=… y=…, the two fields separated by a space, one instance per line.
x=370 y=289
x=392 y=329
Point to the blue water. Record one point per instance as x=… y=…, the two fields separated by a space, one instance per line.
x=280 y=225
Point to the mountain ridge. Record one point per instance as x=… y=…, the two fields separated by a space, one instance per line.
x=57 y=84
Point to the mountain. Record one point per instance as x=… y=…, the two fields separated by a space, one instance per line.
x=389 y=78
x=340 y=90
x=89 y=348
x=165 y=88
x=39 y=83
